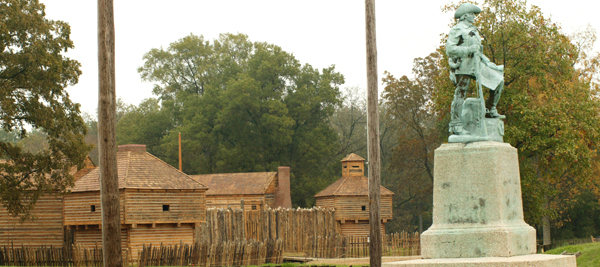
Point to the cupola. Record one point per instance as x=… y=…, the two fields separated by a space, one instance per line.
x=353 y=165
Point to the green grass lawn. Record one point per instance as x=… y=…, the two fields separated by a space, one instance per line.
x=590 y=253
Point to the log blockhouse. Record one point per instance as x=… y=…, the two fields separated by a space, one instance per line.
x=159 y=204
x=257 y=189
x=349 y=196
x=46 y=227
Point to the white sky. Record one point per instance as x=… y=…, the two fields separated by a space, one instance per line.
x=317 y=32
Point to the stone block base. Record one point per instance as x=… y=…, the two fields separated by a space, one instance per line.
x=490 y=241
x=533 y=260
x=477 y=206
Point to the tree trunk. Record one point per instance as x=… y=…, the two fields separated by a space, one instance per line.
x=546 y=232
x=373 y=137
x=109 y=183
x=420 y=219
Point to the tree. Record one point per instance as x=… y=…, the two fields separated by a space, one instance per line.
x=550 y=102
x=409 y=104
x=349 y=121
x=245 y=106
x=144 y=124
x=34 y=74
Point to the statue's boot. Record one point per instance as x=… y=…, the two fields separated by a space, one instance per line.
x=492 y=101
x=493 y=113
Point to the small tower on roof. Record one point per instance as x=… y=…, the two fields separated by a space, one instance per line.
x=349 y=196
x=353 y=165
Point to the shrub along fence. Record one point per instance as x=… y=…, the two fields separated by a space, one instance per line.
x=225 y=253
x=299 y=229
x=52 y=256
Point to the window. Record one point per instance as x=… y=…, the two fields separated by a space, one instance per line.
x=93 y=208
x=253 y=207
x=166 y=207
x=364 y=207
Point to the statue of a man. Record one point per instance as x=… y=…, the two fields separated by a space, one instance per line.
x=467 y=62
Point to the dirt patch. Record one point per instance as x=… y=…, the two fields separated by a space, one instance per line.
x=360 y=261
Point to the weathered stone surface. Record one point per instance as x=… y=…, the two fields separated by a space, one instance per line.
x=533 y=260
x=477 y=206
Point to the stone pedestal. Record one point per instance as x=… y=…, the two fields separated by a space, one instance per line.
x=477 y=206
x=478 y=211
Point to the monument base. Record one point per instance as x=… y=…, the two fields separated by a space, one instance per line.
x=532 y=260
x=477 y=206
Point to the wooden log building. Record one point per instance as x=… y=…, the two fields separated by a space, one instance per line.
x=349 y=196
x=257 y=189
x=46 y=227
x=159 y=204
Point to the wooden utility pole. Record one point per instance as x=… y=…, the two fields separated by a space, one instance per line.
x=373 y=137
x=107 y=141
x=180 y=165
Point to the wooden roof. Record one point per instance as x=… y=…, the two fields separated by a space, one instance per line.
x=351 y=186
x=139 y=169
x=249 y=183
x=352 y=157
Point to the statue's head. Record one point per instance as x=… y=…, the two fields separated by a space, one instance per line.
x=467 y=12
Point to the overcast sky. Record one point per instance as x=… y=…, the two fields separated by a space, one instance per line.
x=320 y=33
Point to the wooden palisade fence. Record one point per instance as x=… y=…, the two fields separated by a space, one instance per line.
x=52 y=256
x=226 y=253
x=298 y=228
x=335 y=246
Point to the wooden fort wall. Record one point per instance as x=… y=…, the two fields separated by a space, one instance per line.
x=350 y=207
x=78 y=208
x=360 y=228
x=146 y=206
x=165 y=234
x=234 y=201
x=44 y=230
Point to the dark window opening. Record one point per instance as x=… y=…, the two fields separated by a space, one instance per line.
x=345 y=166
x=355 y=166
x=93 y=208
x=364 y=207
x=253 y=207
x=166 y=207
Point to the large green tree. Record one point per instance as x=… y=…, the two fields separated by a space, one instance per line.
x=244 y=106
x=409 y=103
x=550 y=102
x=33 y=77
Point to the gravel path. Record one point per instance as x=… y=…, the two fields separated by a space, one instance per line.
x=359 y=261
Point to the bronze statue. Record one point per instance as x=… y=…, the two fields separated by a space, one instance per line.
x=467 y=62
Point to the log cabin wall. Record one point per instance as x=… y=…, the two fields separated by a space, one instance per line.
x=83 y=208
x=164 y=206
x=326 y=202
x=357 y=207
x=46 y=229
x=251 y=202
x=352 y=228
x=92 y=238
x=165 y=234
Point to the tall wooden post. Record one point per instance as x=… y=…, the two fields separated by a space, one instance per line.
x=107 y=142
x=373 y=137
x=180 y=164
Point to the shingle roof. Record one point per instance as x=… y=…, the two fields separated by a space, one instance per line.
x=352 y=157
x=351 y=186
x=250 y=183
x=138 y=169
